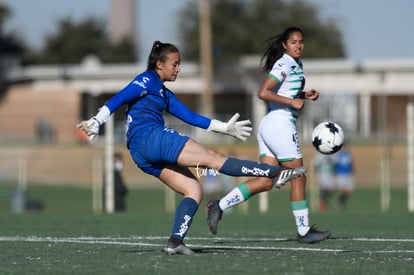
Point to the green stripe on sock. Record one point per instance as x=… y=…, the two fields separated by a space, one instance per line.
x=299 y=205
x=244 y=190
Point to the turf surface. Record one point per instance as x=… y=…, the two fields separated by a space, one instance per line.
x=67 y=238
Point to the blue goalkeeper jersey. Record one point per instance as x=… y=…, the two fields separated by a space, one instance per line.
x=147 y=100
x=343 y=163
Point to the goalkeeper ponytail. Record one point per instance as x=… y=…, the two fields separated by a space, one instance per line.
x=159 y=52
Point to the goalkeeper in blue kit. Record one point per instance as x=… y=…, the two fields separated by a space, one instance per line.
x=162 y=152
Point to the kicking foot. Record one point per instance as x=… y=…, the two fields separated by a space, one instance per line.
x=287 y=174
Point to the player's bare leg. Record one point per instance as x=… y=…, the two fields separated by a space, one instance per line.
x=245 y=190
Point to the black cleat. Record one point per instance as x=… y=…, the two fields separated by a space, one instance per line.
x=314 y=236
x=176 y=246
x=214 y=215
x=286 y=174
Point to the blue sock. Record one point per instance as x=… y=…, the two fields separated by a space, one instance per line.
x=239 y=168
x=183 y=217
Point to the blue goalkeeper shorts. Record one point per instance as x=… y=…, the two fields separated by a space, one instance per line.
x=153 y=148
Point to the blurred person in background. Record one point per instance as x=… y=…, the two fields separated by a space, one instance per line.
x=344 y=175
x=120 y=188
x=166 y=154
x=325 y=177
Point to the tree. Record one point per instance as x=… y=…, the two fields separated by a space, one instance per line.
x=12 y=48
x=10 y=43
x=72 y=42
x=241 y=27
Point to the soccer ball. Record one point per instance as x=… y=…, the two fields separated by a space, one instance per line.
x=327 y=137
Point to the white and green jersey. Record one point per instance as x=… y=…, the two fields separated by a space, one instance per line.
x=289 y=74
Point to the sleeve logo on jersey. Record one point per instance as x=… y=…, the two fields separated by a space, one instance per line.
x=141 y=83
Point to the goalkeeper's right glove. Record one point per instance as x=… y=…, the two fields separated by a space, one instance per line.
x=91 y=126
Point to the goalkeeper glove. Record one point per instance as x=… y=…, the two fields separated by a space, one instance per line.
x=91 y=126
x=238 y=129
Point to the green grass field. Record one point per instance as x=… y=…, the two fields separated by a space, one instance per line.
x=67 y=238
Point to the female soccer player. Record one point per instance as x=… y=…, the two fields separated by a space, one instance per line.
x=283 y=92
x=162 y=152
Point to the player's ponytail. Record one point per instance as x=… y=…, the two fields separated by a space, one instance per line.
x=159 y=52
x=274 y=49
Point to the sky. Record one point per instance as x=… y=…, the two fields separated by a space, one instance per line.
x=372 y=29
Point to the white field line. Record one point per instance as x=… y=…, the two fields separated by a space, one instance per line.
x=132 y=241
x=131 y=238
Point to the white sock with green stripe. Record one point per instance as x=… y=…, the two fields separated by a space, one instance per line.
x=301 y=213
x=238 y=195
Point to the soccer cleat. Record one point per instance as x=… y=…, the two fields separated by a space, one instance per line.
x=175 y=246
x=214 y=214
x=314 y=236
x=286 y=174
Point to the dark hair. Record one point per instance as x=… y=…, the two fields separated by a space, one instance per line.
x=274 y=49
x=118 y=155
x=159 y=52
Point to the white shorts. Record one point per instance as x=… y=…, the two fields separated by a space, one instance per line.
x=326 y=182
x=277 y=137
x=345 y=182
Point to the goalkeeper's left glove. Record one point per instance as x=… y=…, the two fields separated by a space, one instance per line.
x=91 y=126
x=238 y=129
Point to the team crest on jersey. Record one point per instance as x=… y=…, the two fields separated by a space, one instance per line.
x=283 y=75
